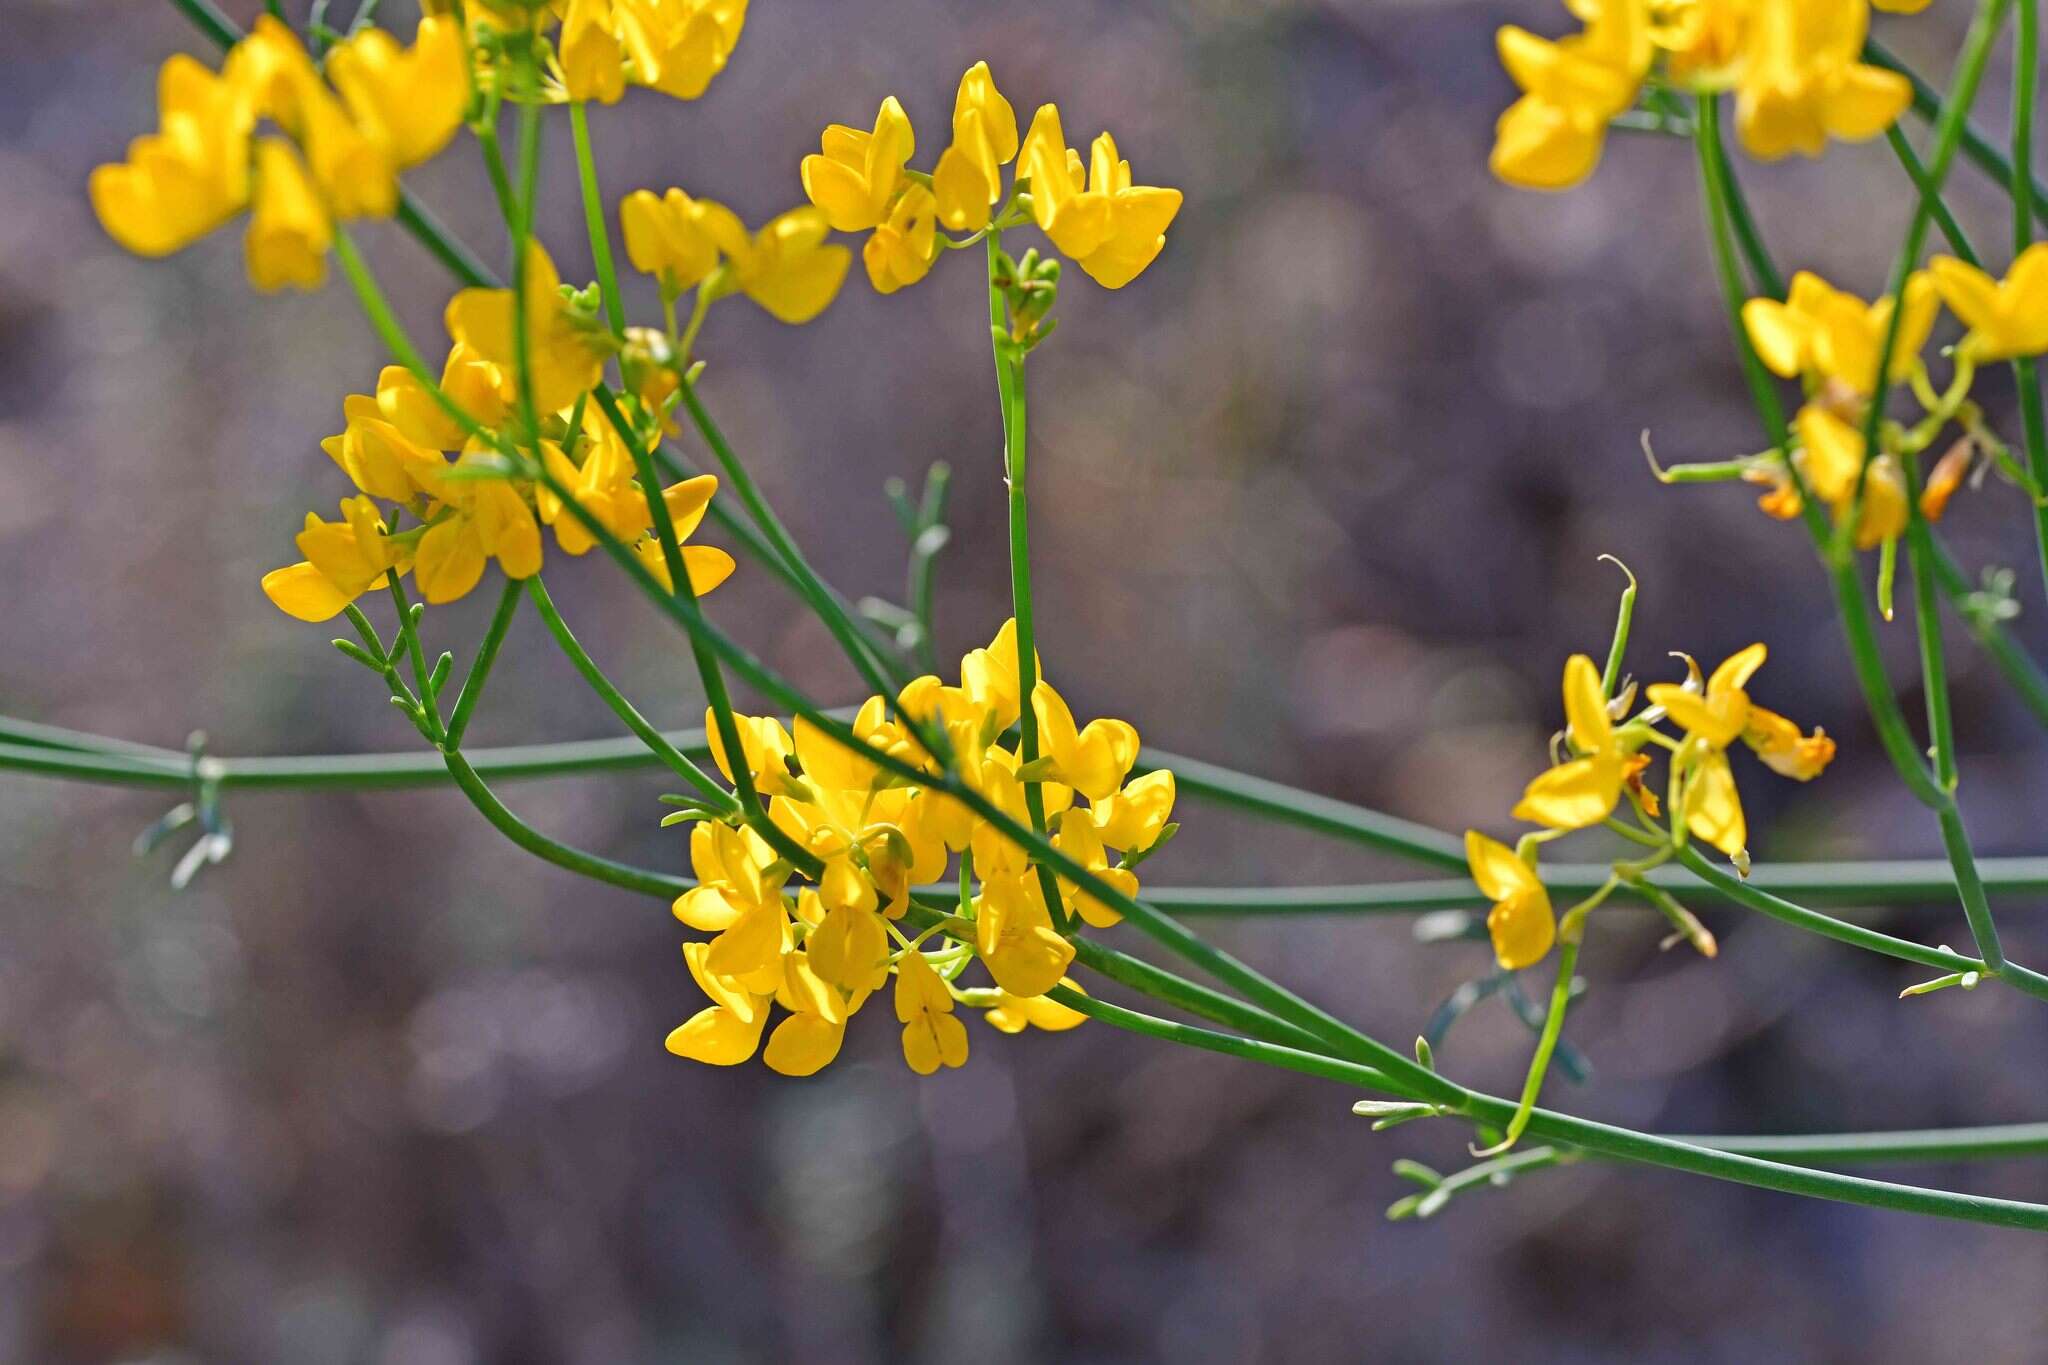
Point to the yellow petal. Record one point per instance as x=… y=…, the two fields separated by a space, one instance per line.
x=1573 y=795
x=803 y=1044
x=303 y=591
x=1713 y=808
x=1522 y=929
x=718 y=1037
x=1496 y=870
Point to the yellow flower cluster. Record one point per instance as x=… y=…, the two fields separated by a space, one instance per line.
x=380 y=108
x=1831 y=340
x=822 y=950
x=1793 y=65
x=1605 y=761
x=1096 y=216
x=403 y=447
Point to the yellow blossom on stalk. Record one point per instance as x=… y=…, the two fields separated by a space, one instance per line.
x=932 y=1036
x=408 y=101
x=1801 y=82
x=605 y=486
x=787 y=267
x=739 y=898
x=1013 y=1014
x=592 y=59
x=1713 y=718
x=1105 y=224
x=1551 y=137
x=901 y=249
x=1521 y=922
x=727 y=1031
x=1823 y=332
x=807 y=1041
x=343 y=560
x=2006 y=317
x=289 y=230
x=856 y=174
x=566 y=349
x=666 y=238
x=480 y=519
x=678 y=46
x=1581 y=791
x=189 y=177
x=968 y=179
x=1831 y=456
x=1015 y=936
x=478 y=388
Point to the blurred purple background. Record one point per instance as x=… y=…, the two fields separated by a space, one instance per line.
x=1320 y=496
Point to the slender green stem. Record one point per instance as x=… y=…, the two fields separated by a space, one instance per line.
x=1930 y=194
x=708 y=669
x=521 y=226
x=486 y=656
x=594 y=221
x=657 y=743
x=550 y=850
x=1605 y=1140
x=1546 y=1044
x=1763 y=272
x=1927 y=626
x=1010 y=395
x=1827 y=926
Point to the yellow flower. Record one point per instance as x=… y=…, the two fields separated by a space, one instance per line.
x=932 y=1036
x=807 y=1041
x=1713 y=720
x=2006 y=317
x=1015 y=937
x=592 y=59
x=728 y=1031
x=477 y=387
x=1787 y=752
x=478 y=519
x=1821 y=331
x=567 y=350
x=605 y=486
x=1801 y=84
x=1521 y=922
x=666 y=238
x=856 y=174
x=1013 y=1014
x=289 y=230
x=1831 y=453
x=678 y=46
x=1093 y=761
x=357 y=173
x=1584 y=790
x=409 y=101
x=1108 y=226
x=787 y=267
x=739 y=899
x=850 y=949
x=968 y=179
x=901 y=249
x=343 y=560
x=189 y=177
x=1550 y=139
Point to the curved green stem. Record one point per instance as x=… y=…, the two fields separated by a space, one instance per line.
x=550 y=850
x=657 y=743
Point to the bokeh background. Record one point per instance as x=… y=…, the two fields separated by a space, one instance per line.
x=1320 y=496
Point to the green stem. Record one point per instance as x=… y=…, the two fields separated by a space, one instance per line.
x=1855 y=935
x=423 y=678
x=1605 y=1140
x=657 y=743
x=486 y=656
x=1010 y=395
x=549 y=850
x=708 y=669
x=595 y=223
